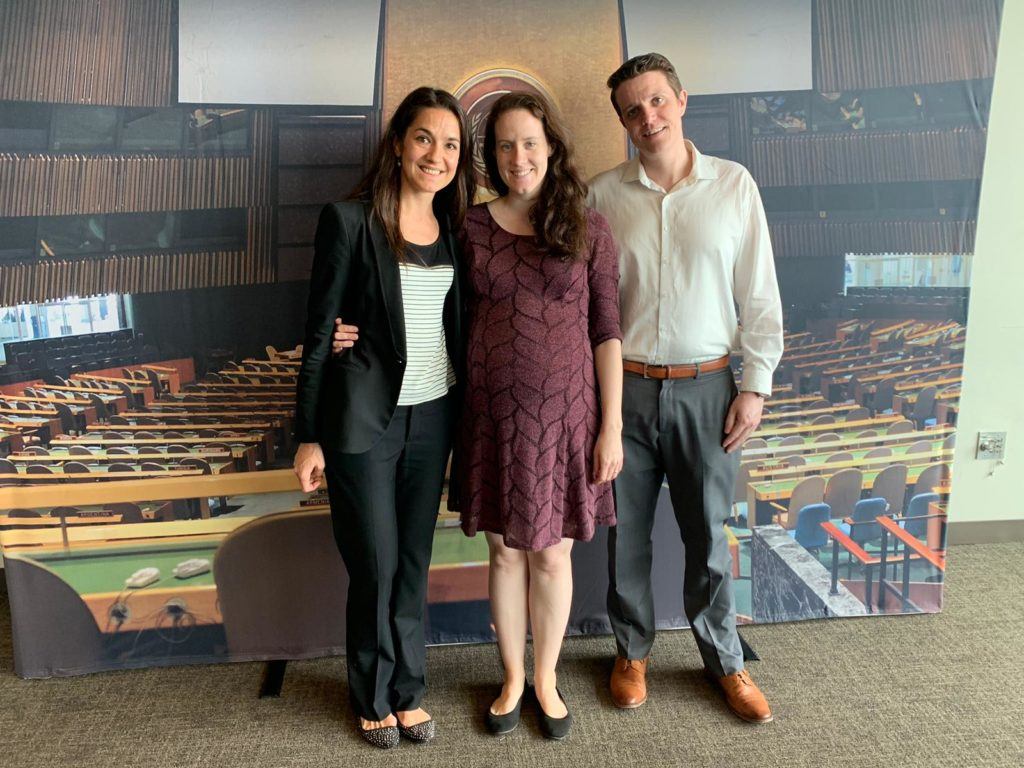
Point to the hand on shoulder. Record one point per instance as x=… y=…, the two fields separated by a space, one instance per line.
x=344 y=336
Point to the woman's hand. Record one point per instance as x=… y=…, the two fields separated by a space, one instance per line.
x=344 y=336
x=607 y=455
x=309 y=466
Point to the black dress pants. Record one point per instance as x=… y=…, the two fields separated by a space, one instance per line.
x=384 y=505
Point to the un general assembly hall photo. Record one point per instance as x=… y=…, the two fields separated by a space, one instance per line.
x=540 y=382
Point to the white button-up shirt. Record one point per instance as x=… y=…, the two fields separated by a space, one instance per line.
x=688 y=258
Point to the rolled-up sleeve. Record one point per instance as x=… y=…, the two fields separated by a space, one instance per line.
x=756 y=292
x=603 y=277
x=331 y=258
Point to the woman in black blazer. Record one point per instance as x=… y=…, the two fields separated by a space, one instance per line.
x=376 y=422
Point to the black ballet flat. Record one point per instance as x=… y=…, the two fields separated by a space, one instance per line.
x=499 y=725
x=382 y=738
x=555 y=728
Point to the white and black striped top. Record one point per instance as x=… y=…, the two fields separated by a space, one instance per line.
x=426 y=276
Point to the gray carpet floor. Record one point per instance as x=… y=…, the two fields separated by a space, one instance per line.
x=940 y=690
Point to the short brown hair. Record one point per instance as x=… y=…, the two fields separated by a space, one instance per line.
x=647 y=62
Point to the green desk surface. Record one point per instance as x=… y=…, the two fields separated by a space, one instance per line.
x=810 y=431
x=190 y=429
x=96 y=469
x=104 y=570
x=93 y=439
x=453 y=547
x=58 y=455
x=254 y=411
x=809 y=439
x=818 y=460
x=900 y=450
x=42 y=413
x=881 y=438
x=772 y=490
x=810 y=413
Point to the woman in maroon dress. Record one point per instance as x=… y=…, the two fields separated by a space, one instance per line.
x=537 y=446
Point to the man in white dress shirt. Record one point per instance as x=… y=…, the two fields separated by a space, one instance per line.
x=694 y=247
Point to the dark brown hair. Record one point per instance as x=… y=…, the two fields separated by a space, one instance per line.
x=648 y=62
x=383 y=181
x=559 y=217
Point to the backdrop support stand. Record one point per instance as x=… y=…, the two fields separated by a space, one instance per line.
x=273 y=678
x=749 y=654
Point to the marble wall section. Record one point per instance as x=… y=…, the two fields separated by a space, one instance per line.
x=788 y=582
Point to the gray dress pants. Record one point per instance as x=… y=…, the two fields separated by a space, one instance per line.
x=674 y=429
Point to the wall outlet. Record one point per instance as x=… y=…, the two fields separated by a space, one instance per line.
x=991 y=445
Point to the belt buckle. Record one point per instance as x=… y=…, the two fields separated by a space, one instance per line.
x=696 y=374
x=645 y=365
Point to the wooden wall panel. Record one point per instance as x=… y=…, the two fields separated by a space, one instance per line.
x=261 y=140
x=824 y=238
x=319 y=143
x=260 y=245
x=320 y=158
x=150 y=53
x=315 y=184
x=115 y=52
x=57 y=185
x=884 y=43
x=873 y=157
x=130 y=273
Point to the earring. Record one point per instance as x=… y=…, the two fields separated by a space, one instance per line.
x=399 y=162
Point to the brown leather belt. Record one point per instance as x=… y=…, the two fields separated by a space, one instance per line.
x=682 y=371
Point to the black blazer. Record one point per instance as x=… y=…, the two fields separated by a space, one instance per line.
x=345 y=402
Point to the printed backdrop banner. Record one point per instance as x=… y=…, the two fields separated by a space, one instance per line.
x=155 y=252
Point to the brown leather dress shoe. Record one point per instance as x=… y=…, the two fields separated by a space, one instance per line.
x=629 y=682
x=744 y=698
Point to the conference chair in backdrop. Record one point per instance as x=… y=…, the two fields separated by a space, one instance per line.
x=157 y=212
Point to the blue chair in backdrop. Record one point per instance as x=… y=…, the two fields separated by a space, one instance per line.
x=863 y=528
x=808 y=532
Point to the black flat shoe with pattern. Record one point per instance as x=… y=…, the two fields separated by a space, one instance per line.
x=383 y=738
x=421 y=733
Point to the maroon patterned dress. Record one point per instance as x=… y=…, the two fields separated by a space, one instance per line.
x=530 y=416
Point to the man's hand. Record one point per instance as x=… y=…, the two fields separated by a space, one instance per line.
x=309 y=466
x=607 y=455
x=344 y=336
x=743 y=418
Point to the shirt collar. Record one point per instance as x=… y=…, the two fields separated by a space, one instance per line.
x=702 y=169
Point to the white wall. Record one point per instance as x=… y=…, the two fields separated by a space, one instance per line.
x=993 y=395
x=315 y=52
x=737 y=46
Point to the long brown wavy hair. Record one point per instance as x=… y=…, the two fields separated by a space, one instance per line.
x=383 y=181
x=559 y=216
